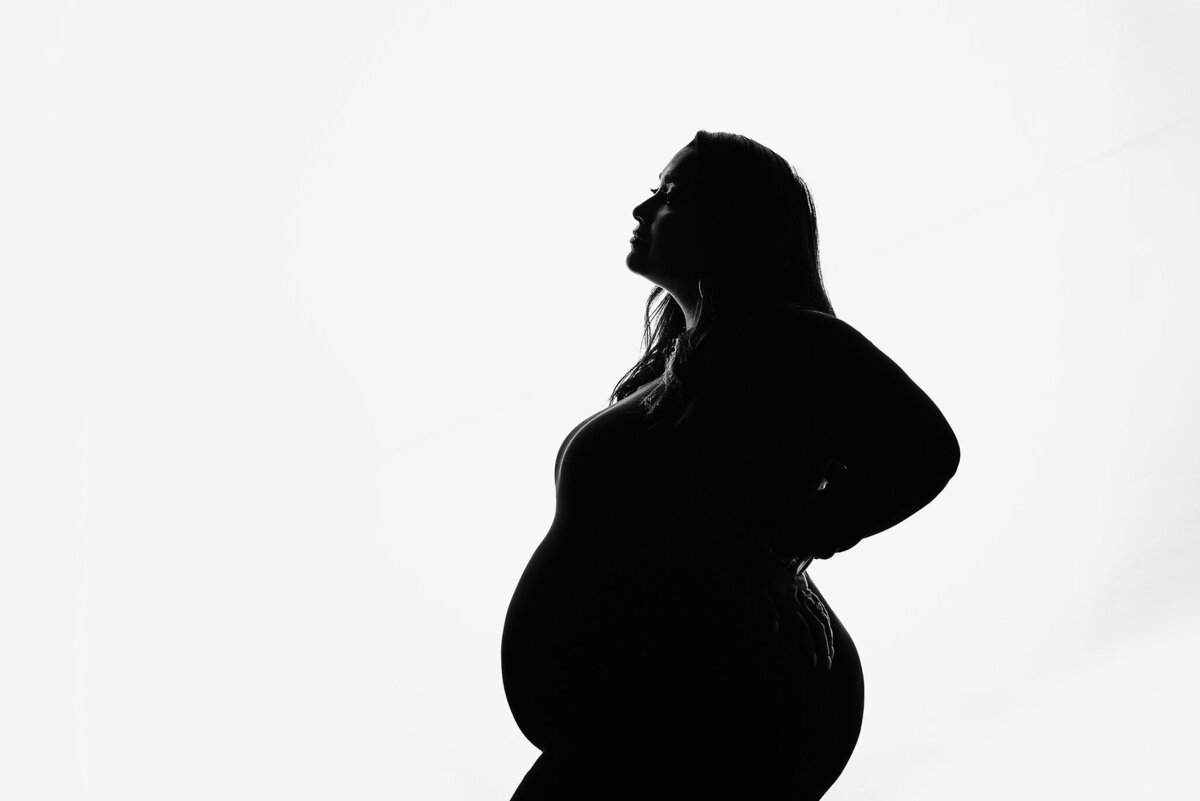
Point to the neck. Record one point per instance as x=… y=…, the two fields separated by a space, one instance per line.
x=687 y=303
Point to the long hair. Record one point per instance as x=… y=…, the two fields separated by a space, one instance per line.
x=758 y=237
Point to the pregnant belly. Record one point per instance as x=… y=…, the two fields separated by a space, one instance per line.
x=600 y=655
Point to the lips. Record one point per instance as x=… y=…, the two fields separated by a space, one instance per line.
x=636 y=239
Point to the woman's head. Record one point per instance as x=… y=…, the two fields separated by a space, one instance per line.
x=757 y=225
x=734 y=234
x=665 y=248
x=732 y=220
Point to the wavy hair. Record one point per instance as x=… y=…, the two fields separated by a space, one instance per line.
x=758 y=236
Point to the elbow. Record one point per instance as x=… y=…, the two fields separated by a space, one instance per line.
x=953 y=452
x=933 y=454
x=951 y=458
x=936 y=477
x=943 y=467
x=940 y=463
x=942 y=453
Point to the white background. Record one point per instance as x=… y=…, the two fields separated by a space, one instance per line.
x=298 y=300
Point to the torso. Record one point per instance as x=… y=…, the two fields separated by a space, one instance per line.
x=618 y=603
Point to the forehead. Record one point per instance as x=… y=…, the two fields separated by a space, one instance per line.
x=682 y=166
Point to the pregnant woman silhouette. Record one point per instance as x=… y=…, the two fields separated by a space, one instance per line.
x=665 y=640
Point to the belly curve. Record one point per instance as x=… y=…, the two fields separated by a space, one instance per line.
x=583 y=665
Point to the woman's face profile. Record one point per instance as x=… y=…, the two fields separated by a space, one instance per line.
x=665 y=246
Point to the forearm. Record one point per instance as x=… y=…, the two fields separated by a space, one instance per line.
x=854 y=506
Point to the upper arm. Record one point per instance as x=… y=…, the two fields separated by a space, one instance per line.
x=869 y=415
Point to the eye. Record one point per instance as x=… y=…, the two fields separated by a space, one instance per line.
x=667 y=195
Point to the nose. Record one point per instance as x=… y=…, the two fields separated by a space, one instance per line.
x=639 y=213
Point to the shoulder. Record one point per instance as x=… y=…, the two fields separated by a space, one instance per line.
x=867 y=401
x=827 y=360
x=817 y=337
x=790 y=349
x=805 y=318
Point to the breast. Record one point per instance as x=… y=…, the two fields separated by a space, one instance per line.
x=742 y=458
x=607 y=466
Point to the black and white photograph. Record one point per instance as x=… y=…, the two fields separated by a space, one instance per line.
x=640 y=401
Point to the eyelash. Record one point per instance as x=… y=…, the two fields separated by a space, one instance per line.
x=667 y=195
